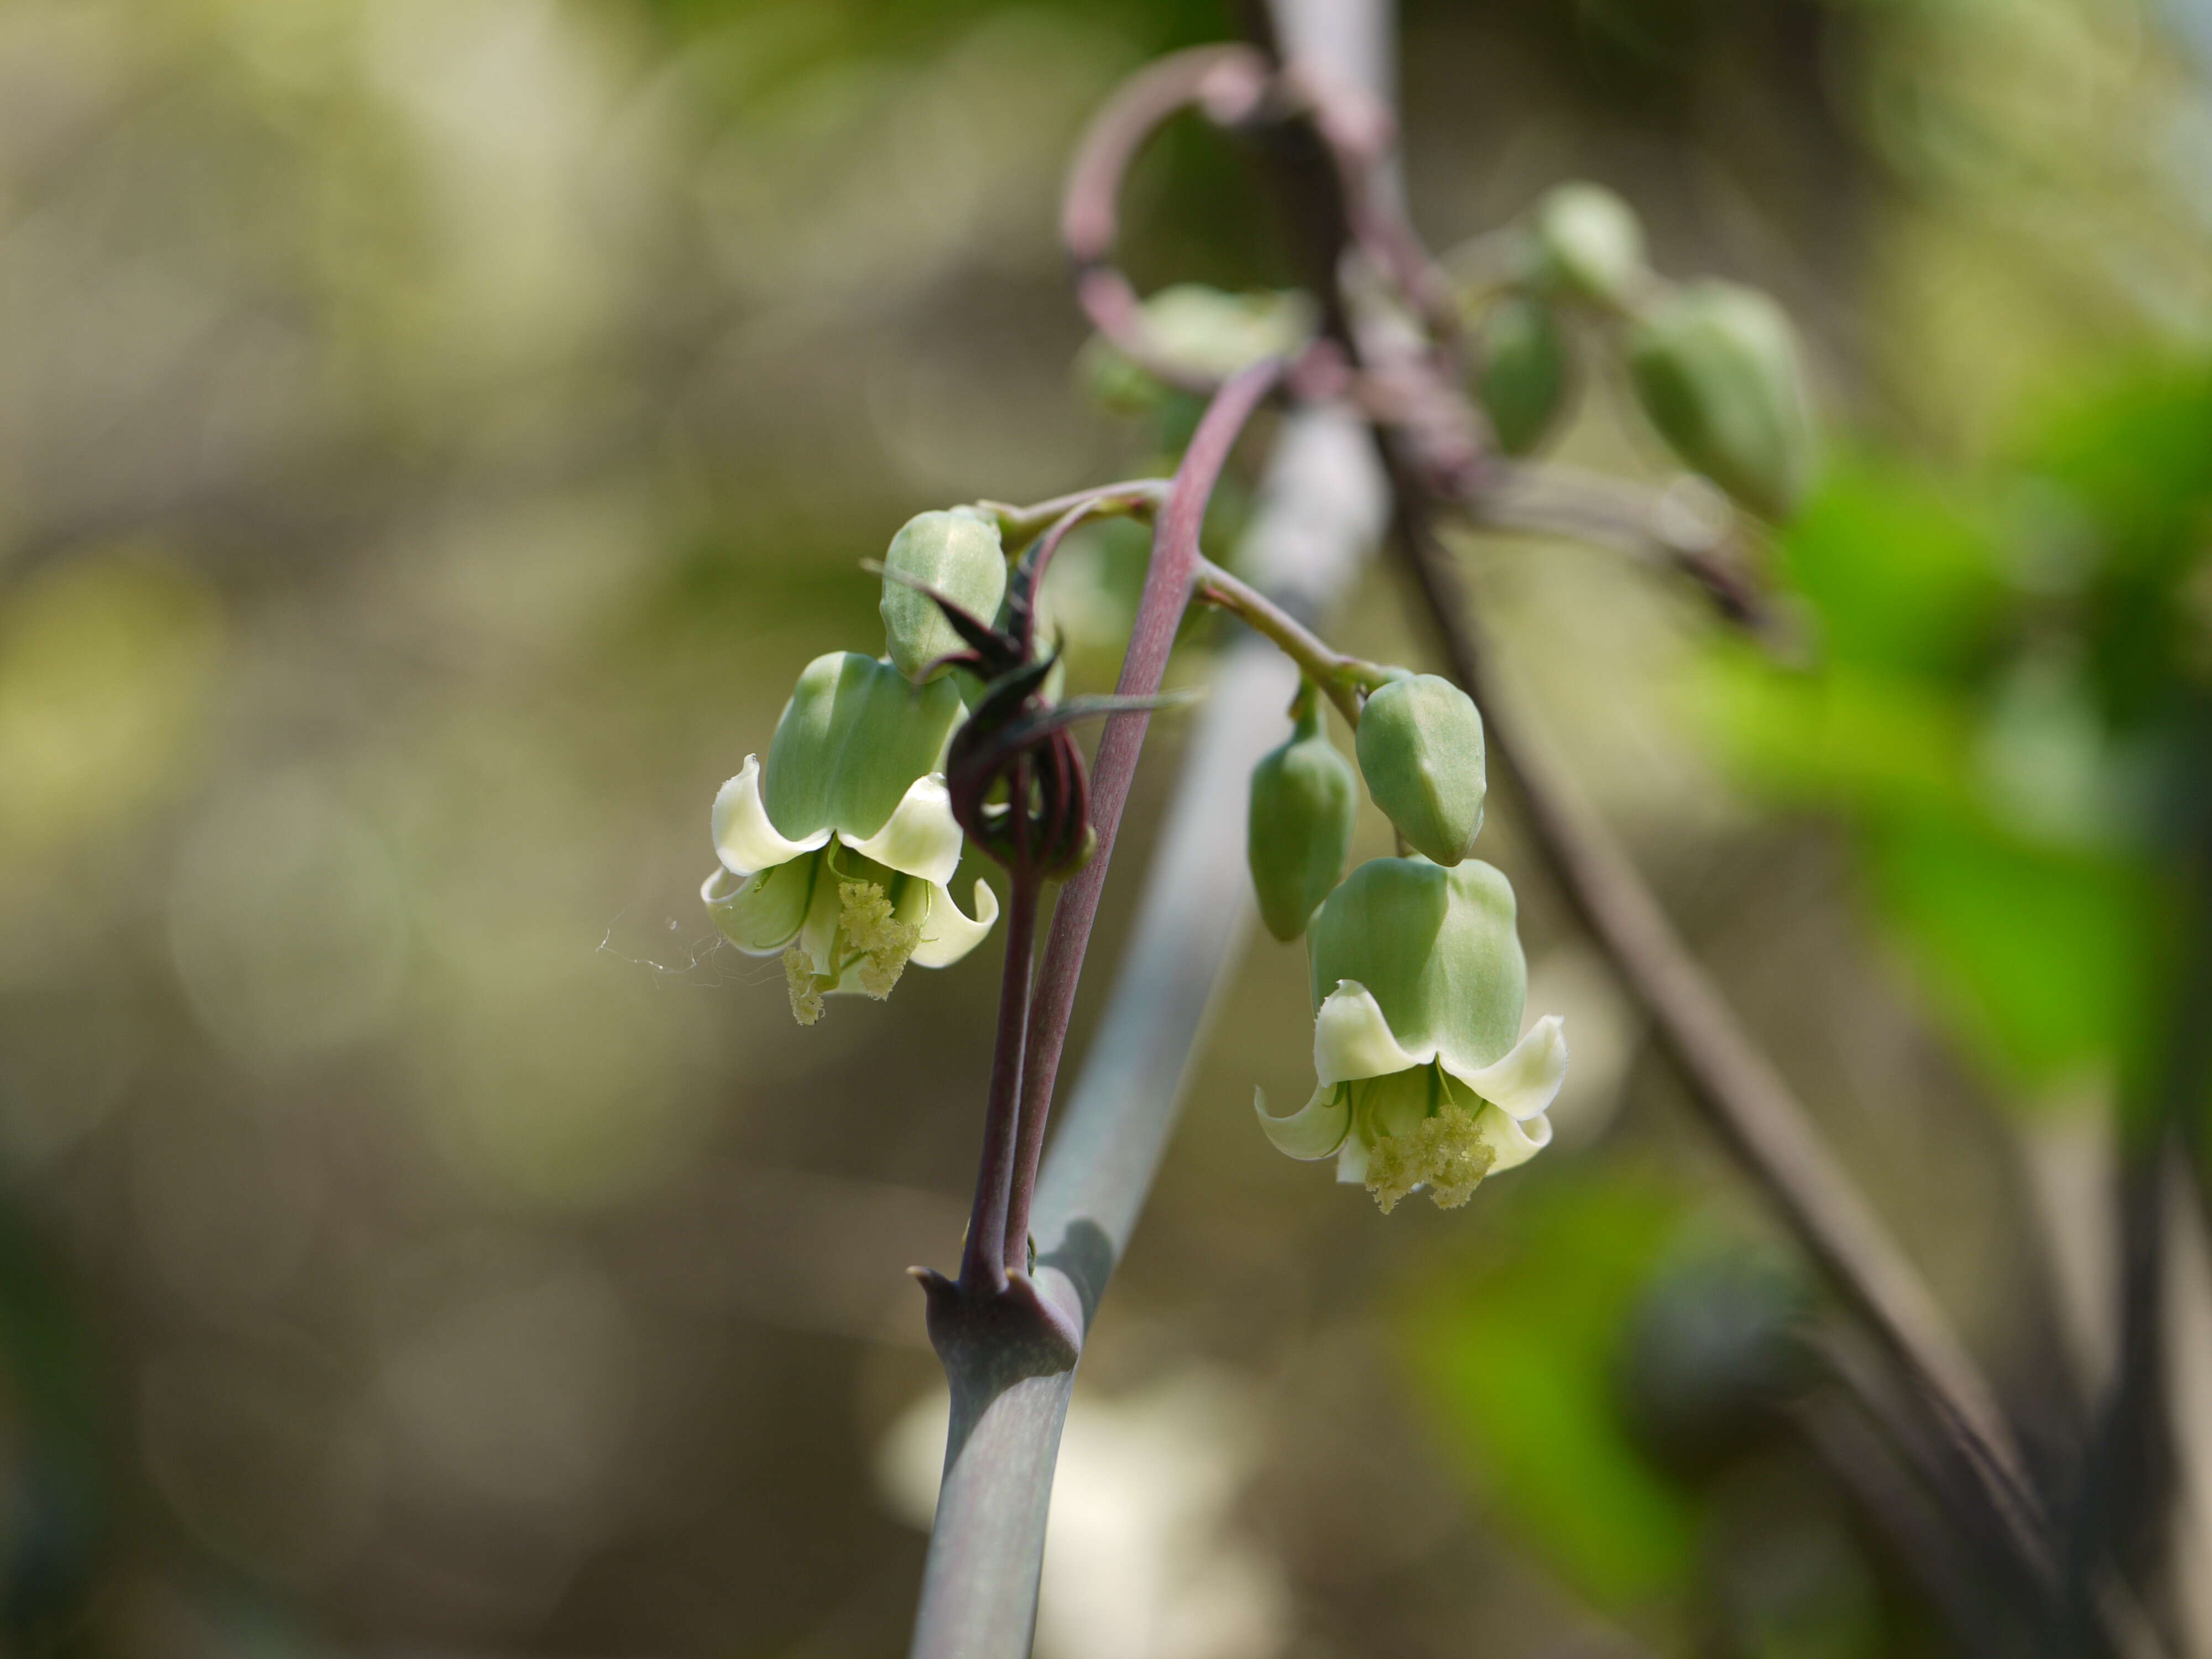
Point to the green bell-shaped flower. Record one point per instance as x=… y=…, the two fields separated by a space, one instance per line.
x=1522 y=374
x=957 y=552
x=1589 y=245
x=1419 y=984
x=1420 y=751
x=1303 y=805
x=1716 y=368
x=838 y=853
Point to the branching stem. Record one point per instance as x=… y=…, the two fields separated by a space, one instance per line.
x=1132 y=498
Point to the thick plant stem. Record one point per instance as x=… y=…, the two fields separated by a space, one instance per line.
x=983 y=1261
x=1743 y=1097
x=1159 y=613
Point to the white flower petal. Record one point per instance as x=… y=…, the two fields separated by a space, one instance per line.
x=1352 y=1162
x=745 y=839
x=1352 y=1039
x=946 y=935
x=1512 y=1143
x=1527 y=1078
x=921 y=838
x=1315 y=1130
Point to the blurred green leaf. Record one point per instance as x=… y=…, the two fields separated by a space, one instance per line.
x=1517 y=1363
x=1900 y=575
x=2136 y=450
x=2038 y=951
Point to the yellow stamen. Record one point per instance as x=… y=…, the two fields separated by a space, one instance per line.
x=1445 y=1153
x=806 y=991
x=884 y=941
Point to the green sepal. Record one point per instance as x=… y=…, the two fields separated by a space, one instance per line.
x=1304 y=804
x=958 y=553
x=1715 y=370
x=1521 y=379
x=854 y=736
x=1420 y=751
x=1438 y=951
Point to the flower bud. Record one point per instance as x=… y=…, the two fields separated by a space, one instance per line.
x=1521 y=379
x=958 y=554
x=1304 y=804
x=1419 y=984
x=1201 y=332
x=1716 y=371
x=1589 y=245
x=1420 y=751
x=1213 y=333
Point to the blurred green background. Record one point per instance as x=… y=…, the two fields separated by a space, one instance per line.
x=433 y=435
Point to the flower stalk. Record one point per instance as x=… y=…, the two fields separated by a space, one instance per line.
x=986 y=1256
x=1344 y=680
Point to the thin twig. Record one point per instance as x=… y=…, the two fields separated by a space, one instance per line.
x=1342 y=679
x=1686 y=526
x=1135 y=497
x=1228 y=81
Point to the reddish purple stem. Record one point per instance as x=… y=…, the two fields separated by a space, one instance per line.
x=1159 y=612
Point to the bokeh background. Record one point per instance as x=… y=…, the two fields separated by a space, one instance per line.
x=433 y=435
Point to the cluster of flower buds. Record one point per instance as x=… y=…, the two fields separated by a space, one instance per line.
x=836 y=853
x=1424 y=1080
x=1715 y=366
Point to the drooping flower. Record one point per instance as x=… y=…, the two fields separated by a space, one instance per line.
x=1419 y=984
x=836 y=854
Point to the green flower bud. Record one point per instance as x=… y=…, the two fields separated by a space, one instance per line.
x=1304 y=804
x=1716 y=368
x=1213 y=333
x=1419 y=984
x=1420 y=751
x=958 y=554
x=1201 y=330
x=838 y=853
x=1521 y=379
x=1589 y=245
